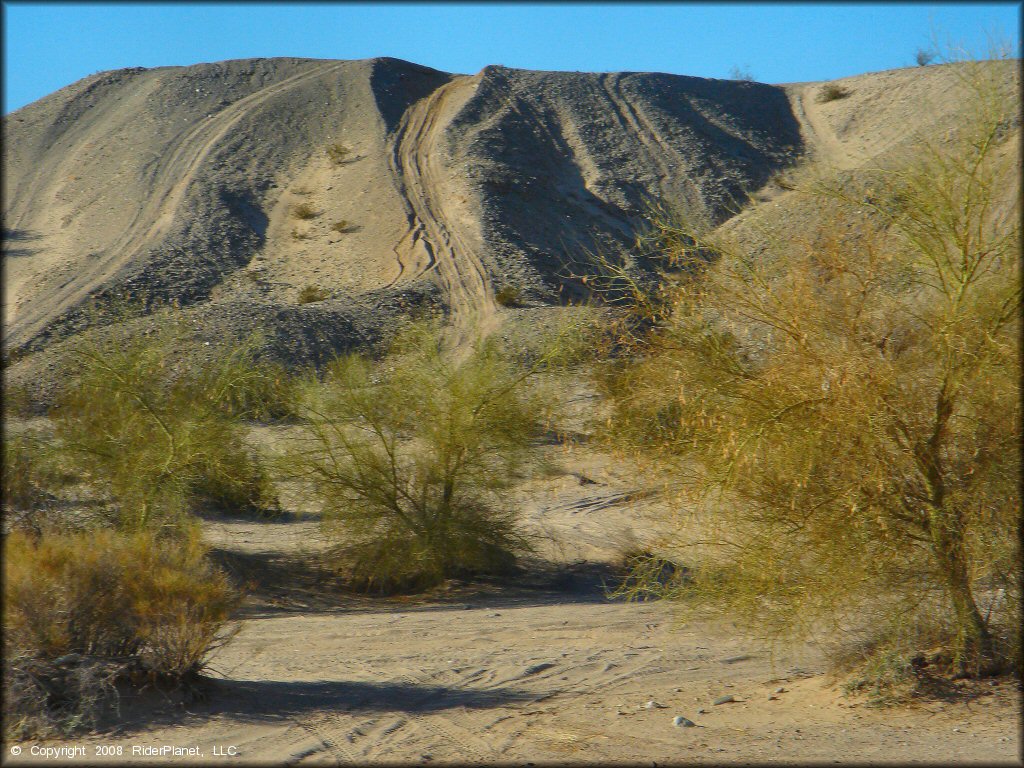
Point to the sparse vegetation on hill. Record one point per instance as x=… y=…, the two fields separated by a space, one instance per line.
x=342 y=226
x=338 y=153
x=508 y=296
x=304 y=211
x=831 y=92
x=311 y=294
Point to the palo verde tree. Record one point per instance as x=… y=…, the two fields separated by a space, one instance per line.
x=408 y=457
x=843 y=407
x=155 y=435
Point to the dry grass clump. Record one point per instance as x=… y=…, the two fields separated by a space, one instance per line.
x=831 y=92
x=508 y=296
x=409 y=457
x=85 y=610
x=338 y=153
x=842 y=409
x=343 y=226
x=312 y=293
x=304 y=211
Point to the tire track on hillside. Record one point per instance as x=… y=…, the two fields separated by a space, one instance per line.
x=193 y=149
x=827 y=145
x=172 y=181
x=417 y=162
x=636 y=124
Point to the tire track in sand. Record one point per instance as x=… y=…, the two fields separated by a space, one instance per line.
x=819 y=134
x=416 y=159
x=169 y=186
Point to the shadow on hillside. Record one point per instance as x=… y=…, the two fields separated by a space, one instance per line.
x=278 y=584
x=14 y=240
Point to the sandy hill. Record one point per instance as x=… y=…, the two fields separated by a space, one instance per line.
x=421 y=186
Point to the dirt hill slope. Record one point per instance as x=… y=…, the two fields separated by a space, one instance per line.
x=183 y=183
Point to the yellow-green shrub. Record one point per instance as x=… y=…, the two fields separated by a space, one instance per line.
x=149 y=431
x=127 y=604
x=409 y=457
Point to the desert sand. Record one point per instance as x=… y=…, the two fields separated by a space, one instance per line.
x=544 y=669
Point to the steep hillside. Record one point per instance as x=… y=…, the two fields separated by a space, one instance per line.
x=182 y=181
x=418 y=186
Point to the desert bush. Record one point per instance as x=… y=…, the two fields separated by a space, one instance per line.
x=408 y=458
x=304 y=211
x=742 y=74
x=843 y=410
x=36 y=478
x=508 y=296
x=924 y=57
x=232 y=480
x=343 y=226
x=261 y=391
x=27 y=470
x=85 y=609
x=152 y=434
x=338 y=153
x=16 y=402
x=312 y=293
x=831 y=92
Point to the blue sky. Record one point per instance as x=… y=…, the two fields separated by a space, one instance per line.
x=49 y=45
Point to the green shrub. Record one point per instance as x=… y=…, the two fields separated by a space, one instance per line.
x=311 y=294
x=27 y=474
x=408 y=458
x=831 y=92
x=232 y=480
x=304 y=211
x=127 y=606
x=147 y=431
x=263 y=391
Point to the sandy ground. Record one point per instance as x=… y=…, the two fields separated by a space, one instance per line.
x=545 y=669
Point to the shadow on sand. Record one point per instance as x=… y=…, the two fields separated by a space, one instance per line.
x=279 y=584
x=269 y=701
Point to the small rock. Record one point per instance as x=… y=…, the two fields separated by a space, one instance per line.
x=724 y=699
x=772 y=697
x=682 y=722
x=652 y=704
x=70 y=658
x=734 y=659
x=702 y=711
x=780 y=689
